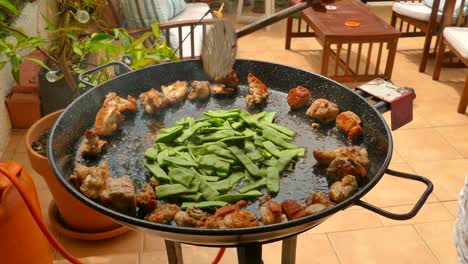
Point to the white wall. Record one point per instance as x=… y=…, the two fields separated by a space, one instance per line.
x=31 y=21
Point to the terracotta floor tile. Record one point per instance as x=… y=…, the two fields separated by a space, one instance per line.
x=439 y=237
x=441 y=112
x=309 y=249
x=15 y=139
x=22 y=158
x=457 y=136
x=154 y=257
x=153 y=243
x=448 y=176
x=452 y=207
x=391 y=191
x=423 y=144
x=398 y=244
x=430 y=212
x=205 y=255
x=107 y=259
x=129 y=243
x=347 y=220
x=417 y=122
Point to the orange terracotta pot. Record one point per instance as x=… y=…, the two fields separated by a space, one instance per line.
x=21 y=240
x=76 y=214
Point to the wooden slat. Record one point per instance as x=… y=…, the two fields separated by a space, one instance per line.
x=407 y=27
x=168 y=37
x=181 y=52
x=348 y=56
x=307 y=28
x=358 y=58
x=337 y=58
x=204 y=30
x=379 y=56
x=299 y=25
x=401 y=25
x=369 y=54
x=192 y=41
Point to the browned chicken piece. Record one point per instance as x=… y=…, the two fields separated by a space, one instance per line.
x=220 y=89
x=91 y=145
x=119 y=194
x=230 y=216
x=317 y=202
x=323 y=110
x=356 y=153
x=152 y=101
x=200 y=90
x=90 y=180
x=163 y=214
x=146 y=199
x=349 y=122
x=192 y=217
x=299 y=97
x=108 y=120
x=271 y=212
x=229 y=80
x=258 y=91
x=341 y=167
x=122 y=104
x=293 y=209
x=176 y=92
x=340 y=190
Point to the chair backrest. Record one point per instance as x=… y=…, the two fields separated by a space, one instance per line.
x=447 y=19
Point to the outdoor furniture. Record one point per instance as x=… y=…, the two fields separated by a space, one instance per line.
x=352 y=48
x=456 y=40
x=416 y=19
x=269 y=10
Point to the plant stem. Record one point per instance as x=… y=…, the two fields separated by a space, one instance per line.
x=45 y=53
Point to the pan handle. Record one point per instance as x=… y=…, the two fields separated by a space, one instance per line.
x=417 y=206
x=123 y=68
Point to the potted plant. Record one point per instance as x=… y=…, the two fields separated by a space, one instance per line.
x=79 y=40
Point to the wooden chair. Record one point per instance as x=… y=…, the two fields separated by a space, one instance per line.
x=416 y=19
x=455 y=38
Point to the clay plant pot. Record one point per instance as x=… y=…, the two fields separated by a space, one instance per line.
x=76 y=215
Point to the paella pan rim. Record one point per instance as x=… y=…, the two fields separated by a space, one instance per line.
x=133 y=221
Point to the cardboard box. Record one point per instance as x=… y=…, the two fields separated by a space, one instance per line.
x=24 y=109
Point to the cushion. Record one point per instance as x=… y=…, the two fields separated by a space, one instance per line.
x=193 y=11
x=418 y=11
x=458 y=39
x=430 y=3
x=141 y=13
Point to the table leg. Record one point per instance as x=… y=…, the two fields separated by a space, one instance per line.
x=288 y=252
x=250 y=254
x=392 y=46
x=325 y=58
x=174 y=252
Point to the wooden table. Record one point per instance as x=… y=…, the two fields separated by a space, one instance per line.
x=352 y=48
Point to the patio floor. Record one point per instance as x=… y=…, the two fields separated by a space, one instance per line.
x=435 y=145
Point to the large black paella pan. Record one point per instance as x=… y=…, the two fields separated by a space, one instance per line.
x=126 y=149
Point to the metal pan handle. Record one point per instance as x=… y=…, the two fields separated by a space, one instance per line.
x=416 y=207
x=123 y=68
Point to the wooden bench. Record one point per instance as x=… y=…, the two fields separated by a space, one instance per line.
x=359 y=53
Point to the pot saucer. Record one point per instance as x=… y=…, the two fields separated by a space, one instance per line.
x=58 y=224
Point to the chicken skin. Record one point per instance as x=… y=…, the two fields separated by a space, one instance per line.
x=340 y=190
x=349 y=122
x=108 y=120
x=230 y=80
x=356 y=153
x=341 y=167
x=91 y=145
x=122 y=105
x=323 y=110
x=119 y=194
x=152 y=101
x=271 y=212
x=222 y=90
x=200 y=90
x=90 y=180
x=163 y=214
x=192 y=217
x=230 y=216
x=299 y=97
x=176 y=92
x=146 y=199
x=293 y=209
x=317 y=202
x=258 y=91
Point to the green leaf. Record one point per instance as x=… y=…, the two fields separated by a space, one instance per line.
x=76 y=48
x=39 y=62
x=142 y=63
x=101 y=37
x=50 y=23
x=141 y=39
x=155 y=29
x=16 y=61
x=9 y=5
x=2 y=63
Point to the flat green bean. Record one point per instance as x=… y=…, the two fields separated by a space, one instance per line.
x=272 y=136
x=169 y=135
x=254 y=186
x=234 y=197
x=182 y=175
x=286 y=157
x=190 y=131
x=201 y=205
x=273 y=180
x=167 y=190
x=249 y=165
x=151 y=153
x=270 y=147
x=180 y=162
x=195 y=197
x=159 y=173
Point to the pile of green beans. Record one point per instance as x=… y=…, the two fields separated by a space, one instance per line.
x=227 y=156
